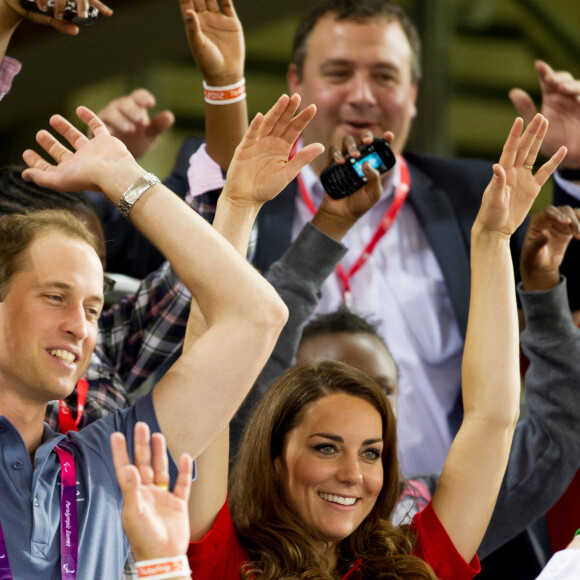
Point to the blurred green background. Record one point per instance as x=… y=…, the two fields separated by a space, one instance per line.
x=474 y=51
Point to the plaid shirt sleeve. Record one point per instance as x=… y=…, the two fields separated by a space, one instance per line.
x=142 y=330
x=9 y=68
x=135 y=337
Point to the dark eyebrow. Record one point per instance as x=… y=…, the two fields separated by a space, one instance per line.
x=336 y=438
x=68 y=287
x=339 y=439
x=336 y=61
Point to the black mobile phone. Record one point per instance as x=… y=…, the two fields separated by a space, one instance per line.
x=70 y=12
x=342 y=180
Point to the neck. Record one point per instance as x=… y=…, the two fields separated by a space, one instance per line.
x=28 y=419
x=328 y=555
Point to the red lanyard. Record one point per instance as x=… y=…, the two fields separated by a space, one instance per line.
x=383 y=227
x=65 y=419
x=69 y=545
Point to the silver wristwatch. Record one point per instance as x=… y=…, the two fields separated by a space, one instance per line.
x=135 y=191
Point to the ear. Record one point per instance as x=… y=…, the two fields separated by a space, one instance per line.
x=293 y=79
x=278 y=466
x=413 y=104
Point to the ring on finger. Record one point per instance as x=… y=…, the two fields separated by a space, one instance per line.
x=528 y=166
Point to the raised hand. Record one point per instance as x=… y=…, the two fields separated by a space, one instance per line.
x=93 y=164
x=155 y=520
x=261 y=167
x=127 y=118
x=560 y=105
x=56 y=21
x=548 y=235
x=514 y=187
x=216 y=39
x=335 y=216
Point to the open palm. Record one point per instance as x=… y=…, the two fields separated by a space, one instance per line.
x=261 y=166
x=514 y=187
x=216 y=38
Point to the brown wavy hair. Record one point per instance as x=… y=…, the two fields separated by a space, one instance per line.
x=279 y=546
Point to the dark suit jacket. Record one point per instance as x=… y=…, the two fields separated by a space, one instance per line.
x=445 y=194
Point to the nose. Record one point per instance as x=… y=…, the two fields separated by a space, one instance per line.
x=75 y=323
x=361 y=90
x=349 y=471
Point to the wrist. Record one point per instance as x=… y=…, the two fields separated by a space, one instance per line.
x=541 y=281
x=481 y=235
x=225 y=94
x=223 y=80
x=335 y=227
x=115 y=178
x=174 y=567
x=534 y=280
x=233 y=203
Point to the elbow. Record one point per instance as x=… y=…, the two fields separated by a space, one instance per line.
x=268 y=320
x=274 y=314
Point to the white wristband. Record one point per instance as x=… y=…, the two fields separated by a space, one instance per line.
x=163 y=568
x=225 y=95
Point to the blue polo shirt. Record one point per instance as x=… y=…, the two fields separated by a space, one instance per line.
x=30 y=497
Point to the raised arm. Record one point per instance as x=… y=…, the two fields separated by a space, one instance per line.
x=299 y=274
x=472 y=474
x=216 y=40
x=259 y=171
x=545 y=453
x=198 y=396
x=298 y=277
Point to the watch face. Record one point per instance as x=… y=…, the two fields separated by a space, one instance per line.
x=133 y=195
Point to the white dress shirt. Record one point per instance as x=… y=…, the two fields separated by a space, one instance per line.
x=401 y=289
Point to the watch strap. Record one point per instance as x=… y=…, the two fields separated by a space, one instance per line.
x=135 y=191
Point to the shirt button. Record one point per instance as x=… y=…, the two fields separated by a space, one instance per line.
x=18 y=464
x=35 y=502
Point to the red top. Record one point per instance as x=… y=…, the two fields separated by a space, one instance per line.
x=220 y=554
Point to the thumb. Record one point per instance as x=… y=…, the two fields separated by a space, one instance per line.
x=535 y=243
x=532 y=248
x=160 y=123
x=304 y=157
x=523 y=103
x=496 y=187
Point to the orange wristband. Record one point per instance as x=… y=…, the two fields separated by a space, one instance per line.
x=225 y=95
x=163 y=568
